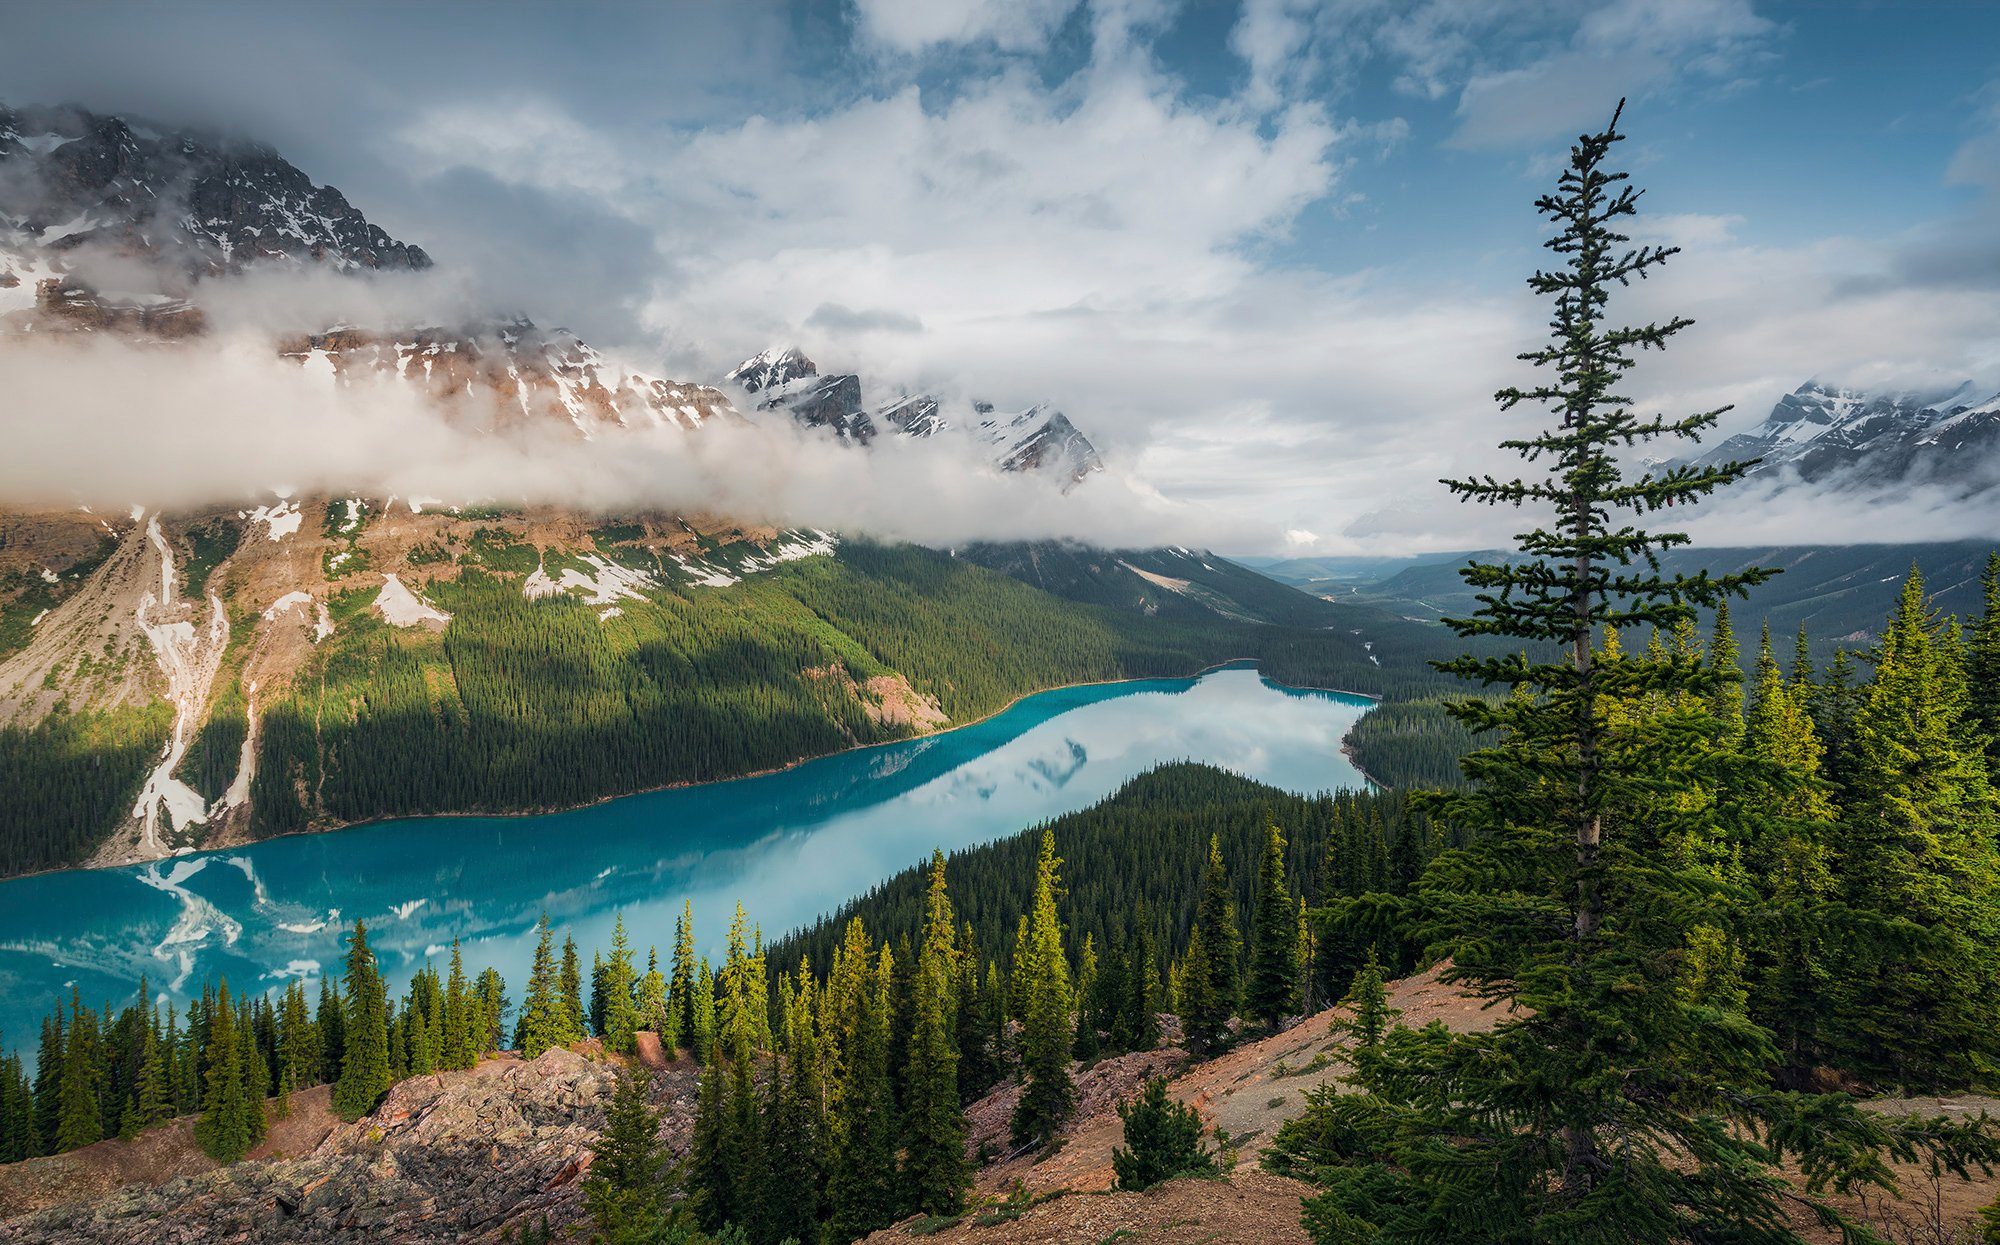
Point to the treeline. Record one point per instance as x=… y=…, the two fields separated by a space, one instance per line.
x=536 y=704
x=1412 y=744
x=522 y=705
x=1134 y=856
x=71 y=778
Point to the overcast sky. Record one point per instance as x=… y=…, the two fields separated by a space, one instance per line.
x=1267 y=253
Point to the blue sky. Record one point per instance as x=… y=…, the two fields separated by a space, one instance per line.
x=1267 y=252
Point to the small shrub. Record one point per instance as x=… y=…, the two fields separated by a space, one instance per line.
x=1162 y=1140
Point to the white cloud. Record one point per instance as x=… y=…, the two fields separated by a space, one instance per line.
x=912 y=26
x=1624 y=48
x=1099 y=244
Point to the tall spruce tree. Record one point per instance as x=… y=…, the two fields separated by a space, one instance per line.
x=1048 y=1095
x=795 y=1175
x=78 y=1115
x=1920 y=1000
x=364 y=1057
x=861 y=1180
x=933 y=1130
x=153 y=1100
x=1982 y=667
x=571 y=985
x=1788 y=808
x=1271 y=987
x=621 y=1013
x=680 y=984
x=1209 y=969
x=626 y=1190
x=1612 y=1107
x=543 y=1022
x=227 y=1129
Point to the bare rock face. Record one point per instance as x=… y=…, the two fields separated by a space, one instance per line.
x=449 y=1158
x=203 y=204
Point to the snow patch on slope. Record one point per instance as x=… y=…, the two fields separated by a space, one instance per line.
x=189 y=655
x=404 y=608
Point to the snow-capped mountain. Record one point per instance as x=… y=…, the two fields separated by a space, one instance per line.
x=529 y=374
x=915 y=415
x=772 y=368
x=1040 y=439
x=203 y=205
x=1848 y=438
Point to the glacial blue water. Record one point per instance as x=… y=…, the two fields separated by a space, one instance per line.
x=790 y=845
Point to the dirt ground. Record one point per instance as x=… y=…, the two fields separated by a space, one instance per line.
x=1249 y=1206
x=154 y=1157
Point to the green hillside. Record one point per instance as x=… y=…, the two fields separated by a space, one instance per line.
x=521 y=705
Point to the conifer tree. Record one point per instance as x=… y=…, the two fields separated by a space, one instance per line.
x=1787 y=805
x=256 y=1075
x=153 y=1103
x=649 y=1005
x=1209 y=970
x=1725 y=661
x=680 y=985
x=46 y=1092
x=79 y=1119
x=1306 y=952
x=231 y=1119
x=861 y=1178
x=978 y=1067
x=461 y=1038
x=491 y=993
x=597 y=992
x=933 y=1130
x=701 y=1031
x=298 y=1039
x=1921 y=1007
x=1271 y=988
x=795 y=1175
x=1612 y=1107
x=364 y=1059
x=625 y=1189
x=571 y=982
x=17 y=1111
x=1142 y=1024
x=330 y=1019
x=1048 y=1095
x=1369 y=1014
x=711 y=1184
x=743 y=1148
x=542 y=1023
x=621 y=1016
x=1982 y=667
x=1086 y=1045
x=1110 y=995
x=1162 y=1140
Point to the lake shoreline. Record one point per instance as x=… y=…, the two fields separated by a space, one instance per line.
x=232 y=843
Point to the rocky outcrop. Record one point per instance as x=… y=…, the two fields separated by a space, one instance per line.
x=449 y=1158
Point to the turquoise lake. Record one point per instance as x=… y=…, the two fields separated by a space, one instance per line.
x=790 y=845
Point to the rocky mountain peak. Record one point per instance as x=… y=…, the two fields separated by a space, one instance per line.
x=1040 y=439
x=203 y=205
x=1833 y=435
x=773 y=367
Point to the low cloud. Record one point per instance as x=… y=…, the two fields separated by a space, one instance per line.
x=835 y=318
x=112 y=424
